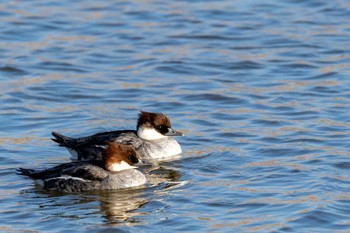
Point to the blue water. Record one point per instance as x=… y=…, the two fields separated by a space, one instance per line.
x=260 y=88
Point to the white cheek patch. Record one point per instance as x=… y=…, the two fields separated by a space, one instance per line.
x=115 y=167
x=149 y=134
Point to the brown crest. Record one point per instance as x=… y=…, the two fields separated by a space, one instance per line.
x=153 y=119
x=115 y=153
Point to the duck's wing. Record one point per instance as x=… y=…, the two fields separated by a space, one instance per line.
x=71 y=185
x=89 y=172
x=70 y=177
x=49 y=172
x=83 y=178
x=91 y=147
x=96 y=139
x=79 y=169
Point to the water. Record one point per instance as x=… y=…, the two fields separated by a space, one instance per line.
x=261 y=89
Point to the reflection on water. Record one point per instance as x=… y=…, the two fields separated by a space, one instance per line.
x=162 y=174
x=119 y=206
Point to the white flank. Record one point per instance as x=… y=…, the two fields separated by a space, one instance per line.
x=122 y=165
x=39 y=182
x=73 y=153
x=149 y=134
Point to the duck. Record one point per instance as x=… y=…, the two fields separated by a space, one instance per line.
x=152 y=139
x=115 y=171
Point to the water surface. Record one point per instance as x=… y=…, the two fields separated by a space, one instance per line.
x=261 y=90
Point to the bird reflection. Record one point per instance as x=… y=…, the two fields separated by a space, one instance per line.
x=124 y=206
x=161 y=174
x=119 y=206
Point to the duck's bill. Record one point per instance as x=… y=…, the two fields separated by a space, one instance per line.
x=172 y=132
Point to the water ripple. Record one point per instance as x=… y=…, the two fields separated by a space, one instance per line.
x=259 y=88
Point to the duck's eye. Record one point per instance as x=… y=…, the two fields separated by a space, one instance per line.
x=162 y=129
x=133 y=158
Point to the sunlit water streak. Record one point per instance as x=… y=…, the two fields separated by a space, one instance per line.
x=261 y=90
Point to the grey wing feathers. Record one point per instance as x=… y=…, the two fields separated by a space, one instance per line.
x=96 y=139
x=90 y=172
x=48 y=173
x=129 y=138
x=83 y=178
x=91 y=147
x=71 y=185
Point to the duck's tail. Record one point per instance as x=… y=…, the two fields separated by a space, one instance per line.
x=61 y=139
x=25 y=172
